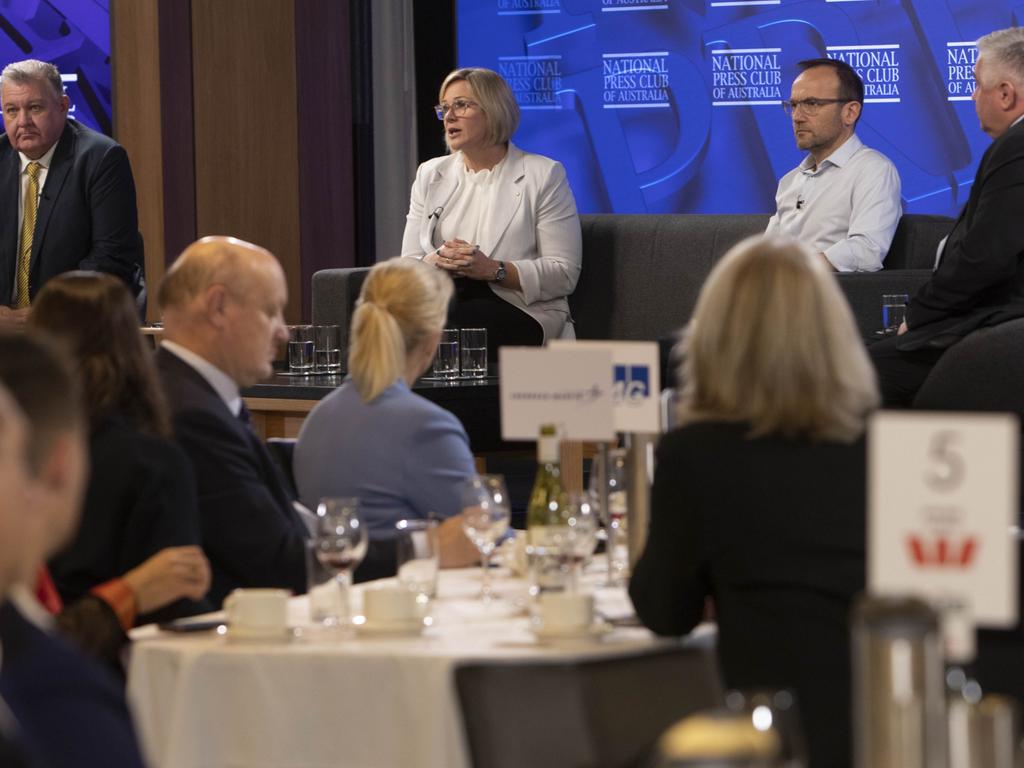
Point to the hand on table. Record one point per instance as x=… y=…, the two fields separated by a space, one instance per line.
x=169 y=575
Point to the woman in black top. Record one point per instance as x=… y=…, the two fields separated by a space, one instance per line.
x=759 y=498
x=141 y=496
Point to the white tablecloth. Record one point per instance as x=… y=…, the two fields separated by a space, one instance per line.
x=201 y=701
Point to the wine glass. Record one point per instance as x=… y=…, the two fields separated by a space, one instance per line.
x=613 y=513
x=485 y=518
x=576 y=540
x=340 y=543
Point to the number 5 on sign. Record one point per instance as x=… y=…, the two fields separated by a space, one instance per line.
x=942 y=500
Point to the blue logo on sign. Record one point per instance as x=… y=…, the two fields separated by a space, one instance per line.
x=632 y=383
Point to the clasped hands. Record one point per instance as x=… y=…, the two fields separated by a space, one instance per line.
x=463 y=259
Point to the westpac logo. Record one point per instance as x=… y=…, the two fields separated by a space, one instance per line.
x=942 y=551
x=631 y=384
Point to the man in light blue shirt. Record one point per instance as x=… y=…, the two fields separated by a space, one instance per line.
x=843 y=200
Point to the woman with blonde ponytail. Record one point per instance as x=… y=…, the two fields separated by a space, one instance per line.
x=373 y=438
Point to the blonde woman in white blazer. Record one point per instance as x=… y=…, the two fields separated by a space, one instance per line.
x=501 y=221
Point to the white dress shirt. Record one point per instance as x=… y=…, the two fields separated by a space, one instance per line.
x=222 y=384
x=847 y=207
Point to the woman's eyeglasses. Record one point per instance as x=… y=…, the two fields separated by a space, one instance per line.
x=459 y=108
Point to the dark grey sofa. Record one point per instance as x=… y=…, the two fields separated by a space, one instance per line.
x=642 y=273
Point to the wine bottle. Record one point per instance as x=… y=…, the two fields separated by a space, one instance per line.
x=547 y=499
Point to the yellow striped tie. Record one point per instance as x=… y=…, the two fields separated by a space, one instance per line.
x=28 y=227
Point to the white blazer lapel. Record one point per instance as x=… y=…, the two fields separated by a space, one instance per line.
x=439 y=191
x=508 y=197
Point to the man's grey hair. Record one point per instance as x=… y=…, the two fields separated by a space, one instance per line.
x=1003 y=51
x=31 y=71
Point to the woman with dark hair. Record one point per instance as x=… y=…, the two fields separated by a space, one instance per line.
x=140 y=514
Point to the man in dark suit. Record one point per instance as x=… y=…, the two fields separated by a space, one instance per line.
x=222 y=304
x=67 y=710
x=67 y=196
x=979 y=279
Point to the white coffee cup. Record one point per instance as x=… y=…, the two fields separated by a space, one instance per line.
x=257 y=611
x=389 y=605
x=566 y=610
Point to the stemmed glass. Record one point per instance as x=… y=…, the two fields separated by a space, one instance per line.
x=340 y=543
x=485 y=518
x=577 y=539
x=614 y=514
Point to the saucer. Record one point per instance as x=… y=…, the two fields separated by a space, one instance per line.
x=407 y=628
x=244 y=635
x=591 y=633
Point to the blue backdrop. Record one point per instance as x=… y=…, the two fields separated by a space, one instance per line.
x=74 y=35
x=674 y=105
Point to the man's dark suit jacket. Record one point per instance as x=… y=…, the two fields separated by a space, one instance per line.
x=250 y=532
x=141 y=498
x=72 y=714
x=87 y=216
x=773 y=530
x=980 y=279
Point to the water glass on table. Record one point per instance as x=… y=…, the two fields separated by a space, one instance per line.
x=473 y=351
x=418 y=556
x=485 y=519
x=894 y=311
x=300 y=349
x=340 y=542
x=327 y=348
x=446 y=362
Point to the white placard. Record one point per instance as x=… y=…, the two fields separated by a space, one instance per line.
x=942 y=506
x=570 y=388
x=636 y=382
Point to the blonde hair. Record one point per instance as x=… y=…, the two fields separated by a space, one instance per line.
x=401 y=303
x=495 y=98
x=773 y=343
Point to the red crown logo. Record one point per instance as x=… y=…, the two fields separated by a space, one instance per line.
x=943 y=551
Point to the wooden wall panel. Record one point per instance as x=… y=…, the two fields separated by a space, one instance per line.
x=136 y=83
x=246 y=127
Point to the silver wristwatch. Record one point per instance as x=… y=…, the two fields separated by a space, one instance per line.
x=501 y=273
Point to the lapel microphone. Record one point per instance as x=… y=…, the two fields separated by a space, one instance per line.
x=800 y=202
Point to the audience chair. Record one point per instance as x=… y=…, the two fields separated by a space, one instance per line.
x=982 y=372
x=600 y=713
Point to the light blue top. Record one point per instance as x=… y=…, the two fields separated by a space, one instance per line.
x=401 y=455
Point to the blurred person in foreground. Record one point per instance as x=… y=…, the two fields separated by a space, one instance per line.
x=501 y=221
x=67 y=195
x=141 y=495
x=373 y=438
x=979 y=272
x=70 y=710
x=14 y=479
x=759 y=498
x=98 y=618
x=223 y=301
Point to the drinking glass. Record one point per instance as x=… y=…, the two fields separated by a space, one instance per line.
x=327 y=348
x=894 y=311
x=485 y=518
x=473 y=352
x=577 y=539
x=418 y=556
x=300 y=349
x=339 y=543
x=446 y=363
x=614 y=515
